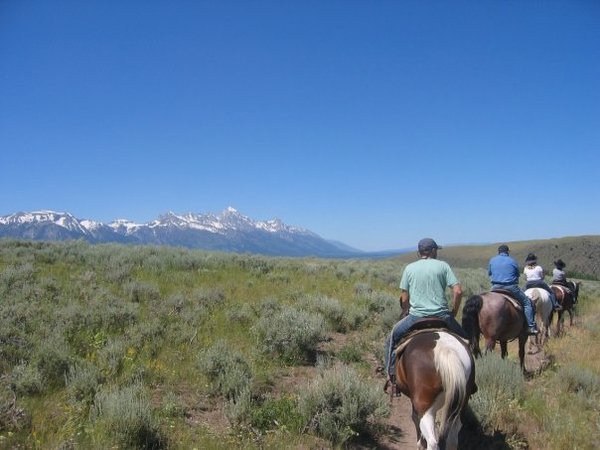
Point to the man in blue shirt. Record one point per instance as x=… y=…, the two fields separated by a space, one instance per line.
x=423 y=285
x=504 y=273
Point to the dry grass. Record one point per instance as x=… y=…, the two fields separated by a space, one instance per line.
x=562 y=409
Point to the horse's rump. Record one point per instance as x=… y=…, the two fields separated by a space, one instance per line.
x=540 y=298
x=498 y=319
x=436 y=371
x=563 y=289
x=537 y=294
x=508 y=295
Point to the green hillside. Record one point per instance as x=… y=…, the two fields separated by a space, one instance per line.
x=580 y=253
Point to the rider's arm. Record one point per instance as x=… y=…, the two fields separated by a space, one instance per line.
x=456 y=298
x=404 y=301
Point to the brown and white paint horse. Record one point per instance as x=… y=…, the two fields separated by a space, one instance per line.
x=435 y=369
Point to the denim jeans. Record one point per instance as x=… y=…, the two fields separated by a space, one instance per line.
x=523 y=299
x=400 y=330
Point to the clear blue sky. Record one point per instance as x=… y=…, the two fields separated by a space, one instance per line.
x=375 y=123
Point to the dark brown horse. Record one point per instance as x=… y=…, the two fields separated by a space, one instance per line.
x=435 y=369
x=567 y=297
x=494 y=315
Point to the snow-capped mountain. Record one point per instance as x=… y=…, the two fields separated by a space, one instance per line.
x=226 y=231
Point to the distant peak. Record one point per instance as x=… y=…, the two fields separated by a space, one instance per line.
x=228 y=231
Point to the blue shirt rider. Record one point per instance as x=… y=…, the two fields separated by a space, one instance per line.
x=504 y=274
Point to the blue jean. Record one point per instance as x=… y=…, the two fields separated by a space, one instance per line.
x=523 y=299
x=402 y=328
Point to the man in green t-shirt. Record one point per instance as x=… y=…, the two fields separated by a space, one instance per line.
x=423 y=286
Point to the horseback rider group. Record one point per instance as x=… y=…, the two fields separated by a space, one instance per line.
x=424 y=282
x=535 y=279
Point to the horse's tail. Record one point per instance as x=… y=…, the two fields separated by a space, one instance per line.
x=454 y=377
x=575 y=290
x=470 y=322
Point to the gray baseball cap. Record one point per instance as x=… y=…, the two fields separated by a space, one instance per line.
x=427 y=244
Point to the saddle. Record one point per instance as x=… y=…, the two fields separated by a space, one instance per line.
x=564 y=289
x=508 y=295
x=422 y=325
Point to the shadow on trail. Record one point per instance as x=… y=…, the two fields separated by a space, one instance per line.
x=393 y=441
x=473 y=437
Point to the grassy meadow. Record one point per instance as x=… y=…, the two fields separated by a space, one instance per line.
x=108 y=346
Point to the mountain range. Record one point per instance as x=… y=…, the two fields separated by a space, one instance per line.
x=228 y=231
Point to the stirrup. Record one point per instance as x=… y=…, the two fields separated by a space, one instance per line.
x=393 y=389
x=387 y=385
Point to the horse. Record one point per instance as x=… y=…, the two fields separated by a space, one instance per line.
x=436 y=370
x=567 y=297
x=496 y=317
x=543 y=313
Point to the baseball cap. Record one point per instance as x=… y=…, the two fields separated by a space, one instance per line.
x=427 y=244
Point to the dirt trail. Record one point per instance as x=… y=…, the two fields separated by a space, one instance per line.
x=399 y=430
x=400 y=427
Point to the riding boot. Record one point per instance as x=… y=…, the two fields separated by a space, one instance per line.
x=390 y=383
x=555 y=305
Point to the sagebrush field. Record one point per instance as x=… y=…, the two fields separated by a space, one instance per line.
x=108 y=346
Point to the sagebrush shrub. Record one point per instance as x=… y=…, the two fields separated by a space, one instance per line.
x=362 y=289
x=119 y=273
x=390 y=315
x=112 y=356
x=339 y=405
x=267 y=307
x=239 y=408
x=225 y=368
x=240 y=314
x=116 y=314
x=354 y=316
x=291 y=333
x=12 y=416
x=53 y=358
x=123 y=416
x=82 y=381
x=16 y=277
x=209 y=297
x=26 y=379
x=329 y=308
x=350 y=353
x=137 y=291
x=379 y=301
x=501 y=388
x=580 y=380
